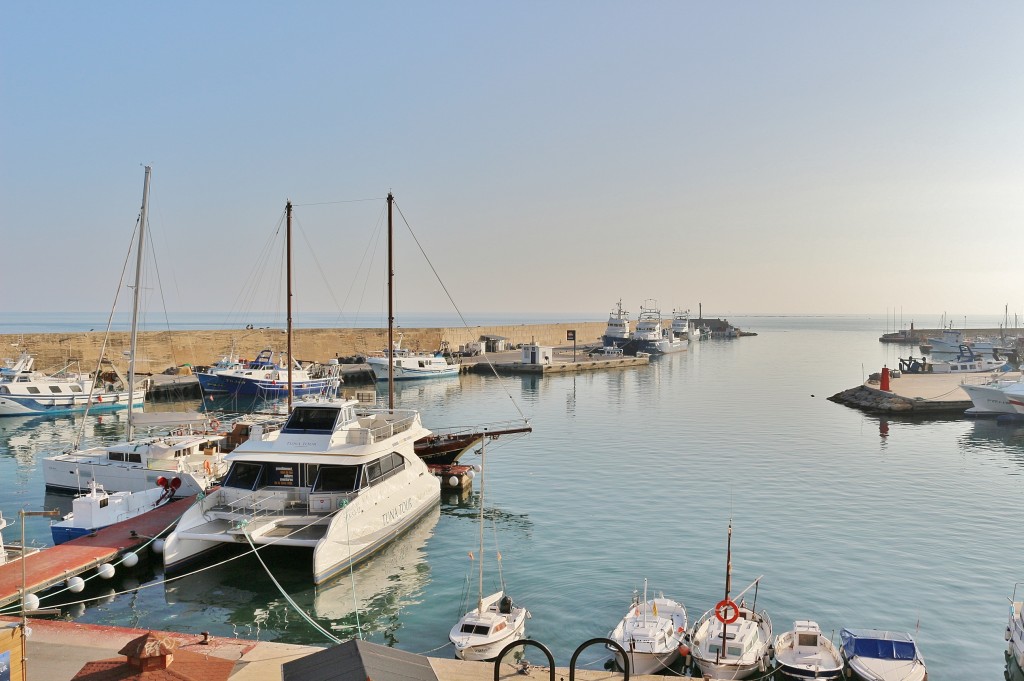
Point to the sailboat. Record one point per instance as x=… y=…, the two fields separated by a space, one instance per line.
x=136 y=465
x=483 y=632
x=732 y=641
x=333 y=482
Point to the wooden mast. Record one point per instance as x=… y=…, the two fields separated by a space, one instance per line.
x=143 y=217
x=391 y=306
x=288 y=256
x=728 y=588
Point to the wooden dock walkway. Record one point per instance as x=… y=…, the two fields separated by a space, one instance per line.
x=51 y=566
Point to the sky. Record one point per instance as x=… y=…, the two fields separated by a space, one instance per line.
x=769 y=157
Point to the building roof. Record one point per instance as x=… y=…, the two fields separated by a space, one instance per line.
x=359 y=661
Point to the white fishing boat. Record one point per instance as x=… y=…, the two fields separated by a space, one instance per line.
x=651 y=632
x=408 y=365
x=649 y=336
x=966 y=362
x=27 y=392
x=682 y=329
x=805 y=653
x=135 y=465
x=997 y=396
x=616 y=333
x=951 y=340
x=338 y=484
x=877 y=655
x=732 y=640
x=1015 y=629
x=99 y=508
x=265 y=377
x=496 y=621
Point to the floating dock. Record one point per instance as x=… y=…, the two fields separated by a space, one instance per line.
x=49 y=567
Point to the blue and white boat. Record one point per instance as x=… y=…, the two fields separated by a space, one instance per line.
x=26 y=392
x=98 y=508
x=266 y=378
x=616 y=333
x=876 y=655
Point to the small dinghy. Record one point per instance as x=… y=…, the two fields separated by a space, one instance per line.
x=876 y=655
x=98 y=508
x=651 y=633
x=803 y=653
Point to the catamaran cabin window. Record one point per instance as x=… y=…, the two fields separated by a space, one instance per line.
x=130 y=457
x=55 y=389
x=75 y=388
x=384 y=467
x=243 y=475
x=337 y=479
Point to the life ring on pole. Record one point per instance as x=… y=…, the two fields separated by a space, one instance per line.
x=726 y=611
x=207 y=467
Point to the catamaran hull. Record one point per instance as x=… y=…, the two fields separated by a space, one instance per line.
x=344 y=544
x=17 y=405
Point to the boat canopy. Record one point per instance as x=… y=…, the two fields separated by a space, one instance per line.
x=882 y=645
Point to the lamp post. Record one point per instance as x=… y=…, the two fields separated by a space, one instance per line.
x=24 y=588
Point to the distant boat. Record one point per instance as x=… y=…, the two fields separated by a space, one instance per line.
x=682 y=328
x=650 y=337
x=616 y=333
x=966 y=362
x=651 y=632
x=876 y=655
x=266 y=378
x=804 y=653
x=27 y=392
x=98 y=508
x=410 y=365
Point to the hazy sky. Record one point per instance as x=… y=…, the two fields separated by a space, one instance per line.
x=806 y=157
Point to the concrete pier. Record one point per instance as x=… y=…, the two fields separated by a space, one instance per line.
x=915 y=394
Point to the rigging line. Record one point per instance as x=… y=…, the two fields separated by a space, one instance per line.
x=459 y=312
x=316 y=261
x=243 y=299
x=106 y=338
x=331 y=637
x=370 y=244
x=332 y=203
x=163 y=301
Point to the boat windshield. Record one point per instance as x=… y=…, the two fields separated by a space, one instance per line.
x=311 y=420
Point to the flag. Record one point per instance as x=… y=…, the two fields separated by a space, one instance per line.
x=654 y=608
x=471 y=556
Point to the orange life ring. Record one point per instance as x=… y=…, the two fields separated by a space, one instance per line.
x=723 y=606
x=207 y=467
x=215 y=424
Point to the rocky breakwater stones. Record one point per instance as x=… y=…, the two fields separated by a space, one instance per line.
x=873 y=399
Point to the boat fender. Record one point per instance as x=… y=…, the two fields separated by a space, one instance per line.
x=1007 y=634
x=848 y=672
x=207 y=467
x=684 y=650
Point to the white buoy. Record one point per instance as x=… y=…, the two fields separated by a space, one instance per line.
x=477 y=467
x=158 y=546
x=453 y=481
x=105 y=571
x=131 y=559
x=471 y=474
x=75 y=585
x=30 y=602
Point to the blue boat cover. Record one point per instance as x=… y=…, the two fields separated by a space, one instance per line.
x=883 y=645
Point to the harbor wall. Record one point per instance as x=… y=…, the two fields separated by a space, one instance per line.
x=158 y=350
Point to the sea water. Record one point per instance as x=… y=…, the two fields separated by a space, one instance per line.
x=854 y=520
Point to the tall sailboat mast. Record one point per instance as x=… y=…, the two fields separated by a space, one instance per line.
x=288 y=256
x=391 y=306
x=480 y=600
x=728 y=585
x=143 y=217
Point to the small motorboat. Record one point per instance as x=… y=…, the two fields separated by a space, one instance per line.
x=877 y=655
x=1015 y=629
x=967 y=361
x=804 y=653
x=98 y=508
x=651 y=632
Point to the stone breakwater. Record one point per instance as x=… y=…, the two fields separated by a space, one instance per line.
x=873 y=400
x=158 y=350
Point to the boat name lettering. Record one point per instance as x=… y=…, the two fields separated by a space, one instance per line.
x=301 y=443
x=397 y=512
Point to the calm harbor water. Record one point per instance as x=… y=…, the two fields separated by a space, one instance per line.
x=854 y=520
